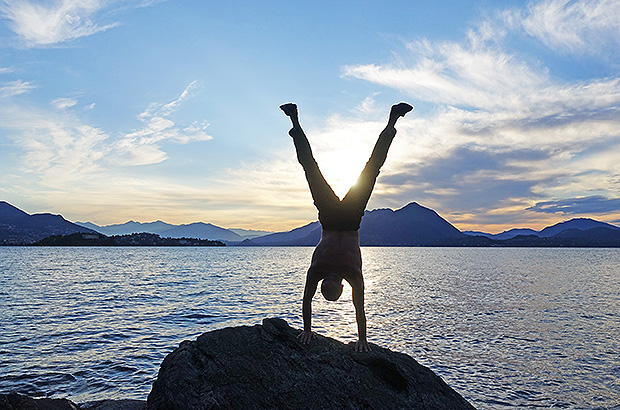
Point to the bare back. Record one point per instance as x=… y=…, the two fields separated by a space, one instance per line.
x=337 y=252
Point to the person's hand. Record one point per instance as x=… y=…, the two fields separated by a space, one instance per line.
x=306 y=337
x=362 y=346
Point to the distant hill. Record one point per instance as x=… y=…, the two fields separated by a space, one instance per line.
x=305 y=235
x=504 y=235
x=18 y=227
x=249 y=233
x=194 y=230
x=412 y=225
x=203 y=231
x=129 y=227
x=579 y=224
x=135 y=239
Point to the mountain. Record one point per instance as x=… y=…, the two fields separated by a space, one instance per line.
x=580 y=224
x=90 y=225
x=299 y=236
x=202 y=231
x=134 y=239
x=129 y=227
x=593 y=237
x=511 y=233
x=600 y=233
x=18 y=227
x=198 y=230
x=249 y=233
x=412 y=225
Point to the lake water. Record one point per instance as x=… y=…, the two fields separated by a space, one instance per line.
x=505 y=327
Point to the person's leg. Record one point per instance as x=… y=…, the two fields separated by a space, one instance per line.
x=360 y=192
x=322 y=193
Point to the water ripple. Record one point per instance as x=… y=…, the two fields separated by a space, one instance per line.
x=507 y=328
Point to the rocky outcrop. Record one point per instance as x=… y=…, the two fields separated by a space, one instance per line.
x=266 y=367
x=122 y=404
x=13 y=401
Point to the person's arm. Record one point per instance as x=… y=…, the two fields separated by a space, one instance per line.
x=310 y=289
x=360 y=315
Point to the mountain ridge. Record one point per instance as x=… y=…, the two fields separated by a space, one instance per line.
x=411 y=225
x=18 y=227
x=199 y=230
x=580 y=224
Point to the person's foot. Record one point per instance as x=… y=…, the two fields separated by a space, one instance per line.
x=400 y=109
x=289 y=109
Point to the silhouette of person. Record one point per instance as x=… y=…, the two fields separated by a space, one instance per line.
x=338 y=255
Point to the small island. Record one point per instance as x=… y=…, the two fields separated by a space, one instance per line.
x=135 y=239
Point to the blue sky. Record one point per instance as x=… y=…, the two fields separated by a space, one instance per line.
x=146 y=110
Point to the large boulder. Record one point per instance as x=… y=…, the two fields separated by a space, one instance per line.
x=14 y=401
x=119 y=404
x=266 y=367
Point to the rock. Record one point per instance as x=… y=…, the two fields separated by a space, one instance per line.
x=13 y=401
x=266 y=367
x=124 y=404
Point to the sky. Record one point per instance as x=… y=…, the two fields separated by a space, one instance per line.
x=145 y=110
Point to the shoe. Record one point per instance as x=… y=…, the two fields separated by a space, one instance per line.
x=401 y=109
x=289 y=109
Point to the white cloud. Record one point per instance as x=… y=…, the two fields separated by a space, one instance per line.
x=368 y=106
x=66 y=158
x=14 y=88
x=457 y=75
x=63 y=103
x=58 y=150
x=163 y=110
x=49 y=23
x=140 y=147
x=572 y=26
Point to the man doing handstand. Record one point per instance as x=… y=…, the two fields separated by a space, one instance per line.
x=338 y=255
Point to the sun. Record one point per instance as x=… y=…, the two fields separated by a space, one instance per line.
x=341 y=171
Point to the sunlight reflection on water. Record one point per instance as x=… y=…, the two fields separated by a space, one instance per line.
x=506 y=328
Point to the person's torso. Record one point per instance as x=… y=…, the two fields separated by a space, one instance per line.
x=338 y=252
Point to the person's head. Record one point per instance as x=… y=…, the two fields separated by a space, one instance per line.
x=331 y=288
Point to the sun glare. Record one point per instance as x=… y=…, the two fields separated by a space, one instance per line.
x=341 y=172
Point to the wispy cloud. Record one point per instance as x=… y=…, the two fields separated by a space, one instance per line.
x=585 y=26
x=584 y=205
x=59 y=150
x=485 y=79
x=42 y=24
x=17 y=87
x=141 y=147
x=63 y=103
